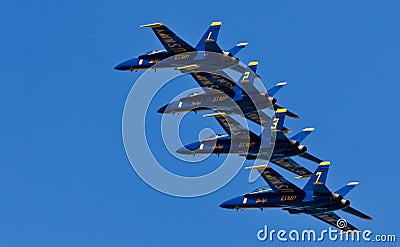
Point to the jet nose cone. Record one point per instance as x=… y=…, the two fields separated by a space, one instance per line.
x=162 y=109
x=127 y=65
x=184 y=150
x=120 y=66
x=236 y=202
x=189 y=149
x=226 y=204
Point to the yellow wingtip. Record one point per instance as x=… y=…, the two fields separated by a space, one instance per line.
x=256 y=167
x=325 y=163
x=157 y=24
x=218 y=114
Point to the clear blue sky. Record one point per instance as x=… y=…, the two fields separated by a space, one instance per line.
x=65 y=179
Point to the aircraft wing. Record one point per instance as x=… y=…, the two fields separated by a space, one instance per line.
x=292 y=166
x=171 y=42
x=275 y=180
x=258 y=117
x=215 y=81
x=232 y=127
x=355 y=212
x=223 y=82
x=332 y=219
x=310 y=157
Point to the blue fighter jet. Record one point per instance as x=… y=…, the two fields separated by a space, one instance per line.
x=220 y=90
x=272 y=144
x=314 y=199
x=185 y=57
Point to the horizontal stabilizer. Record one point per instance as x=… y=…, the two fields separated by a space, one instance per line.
x=302 y=135
x=288 y=113
x=272 y=91
x=355 y=212
x=347 y=188
x=234 y=50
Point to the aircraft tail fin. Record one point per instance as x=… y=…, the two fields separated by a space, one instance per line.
x=357 y=213
x=319 y=176
x=253 y=66
x=211 y=33
x=249 y=75
x=279 y=120
x=234 y=50
x=347 y=188
x=276 y=125
x=212 y=46
x=272 y=91
x=299 y=137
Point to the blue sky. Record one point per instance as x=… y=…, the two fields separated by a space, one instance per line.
x=65 y=179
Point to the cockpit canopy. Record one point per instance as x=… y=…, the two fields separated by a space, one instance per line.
x=216 y=136
x=154 y=52
x=263 y=189
x=195 y=93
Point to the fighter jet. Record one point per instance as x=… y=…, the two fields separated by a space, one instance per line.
x=220 y=90
x=272 y=144
x=185 y=57
x=314 y=199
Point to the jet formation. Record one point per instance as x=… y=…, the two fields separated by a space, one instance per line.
x=228 y=98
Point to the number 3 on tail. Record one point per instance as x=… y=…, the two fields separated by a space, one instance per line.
x=275 y=123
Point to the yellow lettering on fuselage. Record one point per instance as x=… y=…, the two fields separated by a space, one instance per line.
x=220 y=146
x=196 y=103
x=262 y=200
x=220 y=98
x=246 y=144
x=288 y=198
x=181 y=57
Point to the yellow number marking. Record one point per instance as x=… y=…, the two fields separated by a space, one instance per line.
x=245 y=76
x=275 y=123
x=319 y=175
